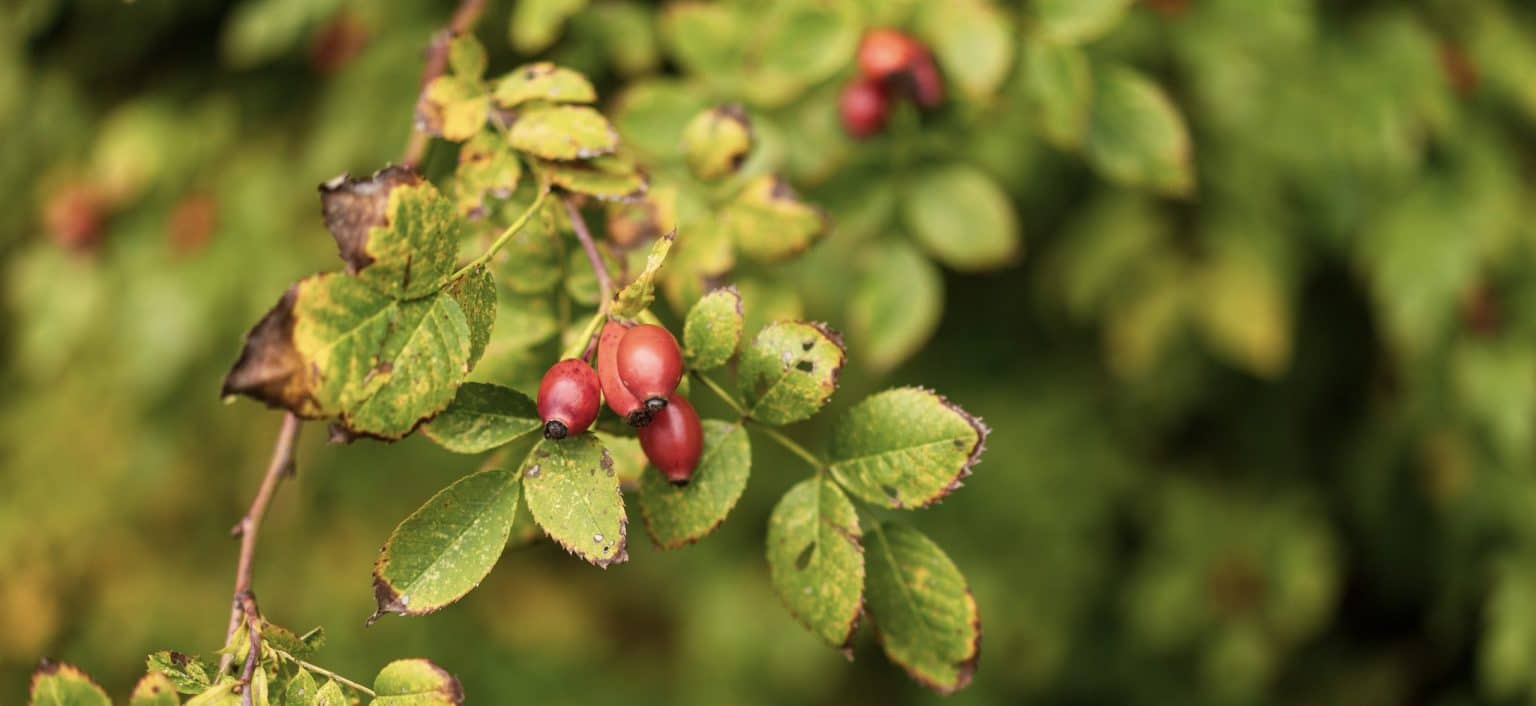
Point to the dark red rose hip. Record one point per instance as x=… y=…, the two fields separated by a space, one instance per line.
x=620 y=399
x=650 y=364
x=885 y=52
x=568 y=398
x=674 y=440
x=864 y=106
x=927 y=84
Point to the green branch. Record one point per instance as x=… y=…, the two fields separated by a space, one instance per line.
x=307 y=666
x=772 y=432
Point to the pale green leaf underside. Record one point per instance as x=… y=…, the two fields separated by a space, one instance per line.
x=927 y=618
x=789 y=371
x=712 y=330
x=562 y=132
x=904 y=448
x=677 y=516
x=57 y=684
x=445 y=548
x=573 y=493
x=482 y=417
x=416 y=682
x=815 y=561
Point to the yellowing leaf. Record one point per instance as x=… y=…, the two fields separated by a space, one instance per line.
x=543 y=81
x=562 y=132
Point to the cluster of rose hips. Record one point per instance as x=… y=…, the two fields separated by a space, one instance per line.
x=638 y=369
x=891 y=64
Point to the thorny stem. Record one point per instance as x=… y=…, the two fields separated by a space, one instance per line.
x=247 y=603
x=604 y=281
x=505 y=236
x=773 y=433
x=462 y=21
x=249 y=526
x=322 y=671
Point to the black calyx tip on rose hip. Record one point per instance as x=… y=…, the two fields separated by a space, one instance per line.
x=649 y=364
x=680 y=482
x=656 y=404
x=569 y=397
x=639 y=417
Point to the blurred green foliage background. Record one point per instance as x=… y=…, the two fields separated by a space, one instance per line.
x=1263 y=400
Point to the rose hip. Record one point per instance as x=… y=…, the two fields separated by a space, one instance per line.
x=674 y=440
x=568 y=398
x=650 y=364
x=619 y=398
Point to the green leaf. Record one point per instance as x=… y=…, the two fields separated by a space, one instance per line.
x=1074 y=21
x=259 y=694
x=637 y=296
x=188 y=673
x=394 y=230
x=60 y=684
x=466 y=57
x=717 y=141
x=562 y=132
x=301 y=690
x=448 y=546
x=703 y=37
x=482 y=417
x=962 y=217
x=416 y=374
x=769 y=222
x=609 y=177
x=973 y=42
x=675 y=516
x=536 y=24
x=475 y=294
x=487 y=166
x=573 y=493
x=1058 y=88
x=712 y=331
x=896 y=304
x=220 y=694
x=793 y=45
x=629 y=460
x=543 y=81
x=653 y=113
x=331 y=694
x=815 y=561
x=301 y=646
x=1137 y=135
x=905 y=448
x=926 y=615
x=790 y=371
x=453 y=107
x=416 y=682
x=154 y=689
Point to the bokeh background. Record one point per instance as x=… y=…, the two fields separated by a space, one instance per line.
x=1263 y=407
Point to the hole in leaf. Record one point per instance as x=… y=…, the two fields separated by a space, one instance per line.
x=808 y=345
x=805 y=366
x=890 y=492
x=804 y=559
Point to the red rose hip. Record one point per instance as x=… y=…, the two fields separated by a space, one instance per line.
x=885 y=52
x=927 y=84
x=620 y=399
x=864 y=106
x=650 y=364
x=568 y=398
x=674 y=440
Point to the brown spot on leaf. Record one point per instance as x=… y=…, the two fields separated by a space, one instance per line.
x=354 y=207
x=270 y=368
